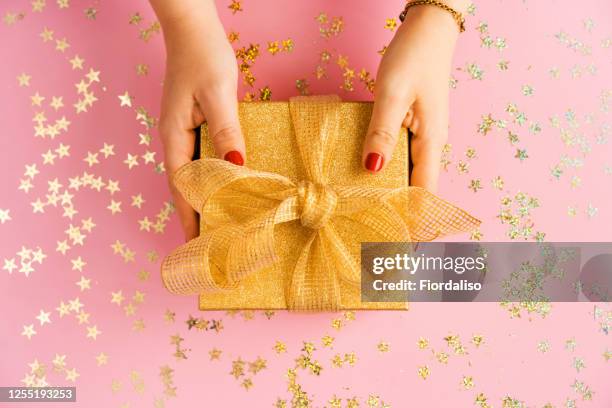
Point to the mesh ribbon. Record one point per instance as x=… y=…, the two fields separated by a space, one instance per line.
x=241 y=208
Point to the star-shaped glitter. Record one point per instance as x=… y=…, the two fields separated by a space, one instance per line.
x=4 y=215
x=84 y=283
x=129 y=309
x=83 y=317
x=169 y=316
x=114 y=207
x=422 y=343
x=24 y=79
x=77 y=62
x=38 y=206
x=37 y=99
x=235 y=6
x=149 y=157
x=214 y=354
x=137 y=201
x=28 y=331
x=280 y=347
x=131 y=161
x=117 y=297
x=327 y=341
x=391 y=24
x=107 y=150
x=91 y=13
x=72 y=375
x=43 y=317
x=59 y=362
x=125 y=99
x=101 y=359
x=145 y=224
x=112 y=186
x=383 y=347
x=91 y=159
x=93 y=76
x=63 y=309
x=75 y=305
x=61 y=45
x=139 y=325
x=9 y=265
x=423 y=372
x=93 y=332
x=56 y=102
x=78 y=264
x=142 y=69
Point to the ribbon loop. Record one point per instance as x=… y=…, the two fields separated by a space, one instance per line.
x=317 y=203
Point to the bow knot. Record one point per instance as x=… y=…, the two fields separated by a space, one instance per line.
x=318 y=203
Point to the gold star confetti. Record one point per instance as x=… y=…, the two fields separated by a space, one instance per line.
x=383 y=347
x=235 y=6
x=214 y=354
x=280 y=347
x=61 y=45
x=28 y=331
x=101 y=359
x=24 y=79
x=467 y=382
x=142 y=69
x=391 y=24
x=422 y=343
x=423 y=372
x=84 y=283
x=91 y=13
x=125 y=99
x=4 y=217
x=327 y=341
x=77 y=62
x=93 y=332
x=72 y=375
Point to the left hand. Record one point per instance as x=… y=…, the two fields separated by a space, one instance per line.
x=411 y=90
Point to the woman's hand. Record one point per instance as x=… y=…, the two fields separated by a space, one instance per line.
x=200 y=84
x=411 y=90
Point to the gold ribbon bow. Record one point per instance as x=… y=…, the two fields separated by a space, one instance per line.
x=241 y=208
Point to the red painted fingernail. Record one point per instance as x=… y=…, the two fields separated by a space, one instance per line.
x=234 y=157
x=374 y=162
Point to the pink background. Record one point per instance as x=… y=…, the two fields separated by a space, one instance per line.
x=508 y=363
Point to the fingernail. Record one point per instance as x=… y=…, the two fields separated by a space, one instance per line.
x=234 y=157
x=374 y=162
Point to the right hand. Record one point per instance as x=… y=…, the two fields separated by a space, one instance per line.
x=200 y=85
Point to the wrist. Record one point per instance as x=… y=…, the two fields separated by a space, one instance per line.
x=194 y=30
x=184 y=22
x=435 y=20
x=460 y=6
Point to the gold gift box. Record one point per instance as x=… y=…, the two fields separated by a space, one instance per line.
x=269 y=129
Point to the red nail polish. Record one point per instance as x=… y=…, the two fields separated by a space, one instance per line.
x=374 y=162
x=234 y=157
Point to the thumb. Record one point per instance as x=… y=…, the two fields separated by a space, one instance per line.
x=387 y=116
x=221 y=113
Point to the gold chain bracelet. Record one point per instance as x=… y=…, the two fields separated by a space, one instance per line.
x=456 y=15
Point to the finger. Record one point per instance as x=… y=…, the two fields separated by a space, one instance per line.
x=187 y=215
x=221 y=111
x=430 y=135
x=387 y=116
x=178 y=142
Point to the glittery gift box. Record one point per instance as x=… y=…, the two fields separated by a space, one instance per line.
x=285 y=230
x=271 y=146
